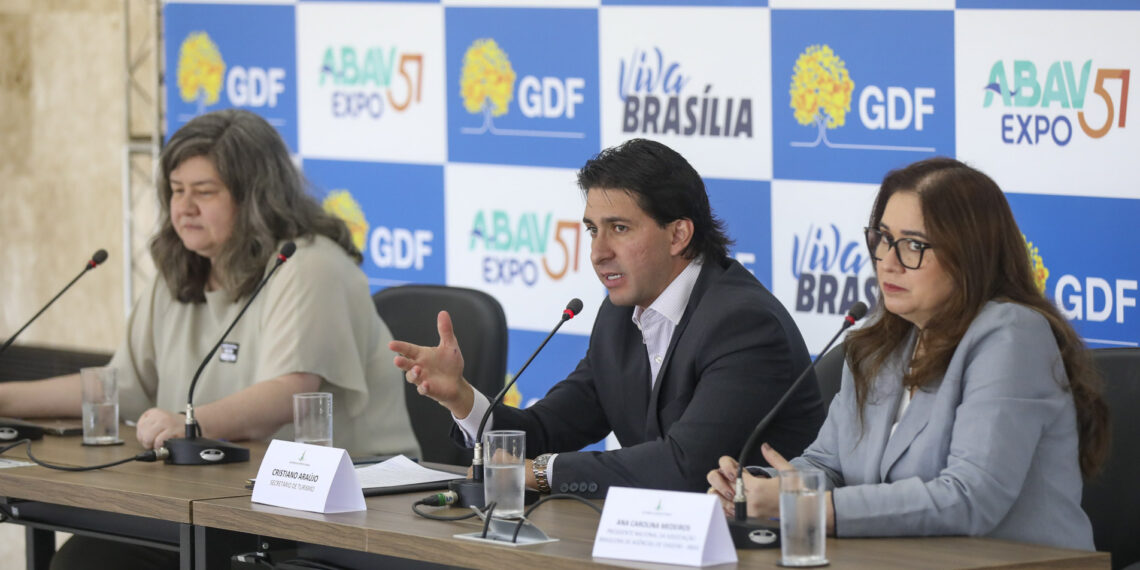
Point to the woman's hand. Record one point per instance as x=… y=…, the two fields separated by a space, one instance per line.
x=155 y=426
x=762 y=494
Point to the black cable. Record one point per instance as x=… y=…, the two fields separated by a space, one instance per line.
x=578 y=498
x=522 y=521
x=416 y=510
x=14 y=444
x=490 y=510
x=442 y=499
x=148 y=456
x=306 y=563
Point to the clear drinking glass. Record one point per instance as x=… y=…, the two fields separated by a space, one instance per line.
x=100 y=406
x=313 y=418
x=803 y=522
x=504 y=461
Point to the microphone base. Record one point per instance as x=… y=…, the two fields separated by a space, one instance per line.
x=12 y=429
x=754 y=533
x=202 y=451
x=471 y=494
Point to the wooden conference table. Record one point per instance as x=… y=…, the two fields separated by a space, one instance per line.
x=205 y=513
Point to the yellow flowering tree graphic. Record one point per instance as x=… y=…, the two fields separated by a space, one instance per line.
x=821 y=91
x=513 y=397
x=341 y=204
x=487 y=83
x=201 y=70
x=1036 y=265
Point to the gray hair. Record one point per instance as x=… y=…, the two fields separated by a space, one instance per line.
x=268 y=191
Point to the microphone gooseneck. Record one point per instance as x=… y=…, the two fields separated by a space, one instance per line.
x=193 y=449
x=572 y=309
x=97 y=258
x=857 y=311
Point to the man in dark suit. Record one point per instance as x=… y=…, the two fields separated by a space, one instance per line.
x=688 y=352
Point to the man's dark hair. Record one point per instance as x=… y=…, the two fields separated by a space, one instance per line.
x=665 y=186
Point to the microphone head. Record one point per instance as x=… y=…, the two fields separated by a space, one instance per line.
x=98 y=257
x=858 y=311
x=572 y=308
x=287 y=250
x=575 y=306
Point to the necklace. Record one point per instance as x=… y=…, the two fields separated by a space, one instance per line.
x=910 y=365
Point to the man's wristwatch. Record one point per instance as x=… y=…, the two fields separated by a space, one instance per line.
x=539 y=468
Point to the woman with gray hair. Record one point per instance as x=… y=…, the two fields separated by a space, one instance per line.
x=230 y=197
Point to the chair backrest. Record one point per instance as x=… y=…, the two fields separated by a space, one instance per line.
x=481 y=327
x=829 y=373
x=30 y=362
x=1112 y=498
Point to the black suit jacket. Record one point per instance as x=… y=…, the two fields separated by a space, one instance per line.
x=733 y=355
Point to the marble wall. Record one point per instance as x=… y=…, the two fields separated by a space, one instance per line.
x=62 y=92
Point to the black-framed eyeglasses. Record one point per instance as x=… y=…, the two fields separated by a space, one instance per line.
x=909 y=251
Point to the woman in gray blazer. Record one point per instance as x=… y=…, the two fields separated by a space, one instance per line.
x=969 y=405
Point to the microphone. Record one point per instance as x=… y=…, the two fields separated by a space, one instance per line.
x=470 y=491
x=195 y=449
x=764 y=534
x=97 y=258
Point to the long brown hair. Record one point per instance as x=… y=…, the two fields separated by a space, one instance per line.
x=272 y=205
x=981 y=248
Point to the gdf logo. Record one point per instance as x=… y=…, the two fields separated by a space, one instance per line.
x=1047 y=103
x=821 y=95
x=487 y=86
x=1093 y=299
x=201 y=70
x=388 y=248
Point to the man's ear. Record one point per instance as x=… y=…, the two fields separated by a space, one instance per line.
x=681 y=234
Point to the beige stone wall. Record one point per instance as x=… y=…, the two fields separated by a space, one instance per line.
x=62 y=91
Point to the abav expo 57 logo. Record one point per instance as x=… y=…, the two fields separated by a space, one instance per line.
x=232 y=56
x=524 y=85
x=371 y=78
x=855 y=109
x=1038 y=99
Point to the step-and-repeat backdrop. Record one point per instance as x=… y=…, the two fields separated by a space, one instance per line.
x=448 y=134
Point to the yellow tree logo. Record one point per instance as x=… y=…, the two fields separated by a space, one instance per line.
x=200 y=70
x=513 y=397
x=1036 y=265
x=341 y=204
x=487 y=84
x=821 y=91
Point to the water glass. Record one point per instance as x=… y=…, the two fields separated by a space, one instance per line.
x=504 y=464
x=100 y=406
x=803 y=522
x=313 y=418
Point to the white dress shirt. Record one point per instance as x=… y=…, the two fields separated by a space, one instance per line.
x=656 y=323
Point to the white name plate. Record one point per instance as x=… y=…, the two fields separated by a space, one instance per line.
x=308 y=478
x=663 y=526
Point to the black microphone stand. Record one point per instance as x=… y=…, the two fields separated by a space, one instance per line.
x=195 y=449
x=470 y=491
x=756 y=533
x=99 y=257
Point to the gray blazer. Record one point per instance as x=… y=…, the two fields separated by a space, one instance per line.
x=991 y=450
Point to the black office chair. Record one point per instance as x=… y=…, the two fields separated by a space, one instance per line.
x=31 y=362
x=1112 y=499
x=481 y=327
x=829 y=373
